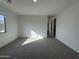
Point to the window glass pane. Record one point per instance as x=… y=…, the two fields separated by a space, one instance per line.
x=2 y=23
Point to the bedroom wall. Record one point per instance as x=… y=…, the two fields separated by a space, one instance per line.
x=11 y=27
x=67 y=30
x=31 y=26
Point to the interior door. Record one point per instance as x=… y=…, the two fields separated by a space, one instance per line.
x=51 y=27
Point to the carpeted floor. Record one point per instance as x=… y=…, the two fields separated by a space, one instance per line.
x=48 y=48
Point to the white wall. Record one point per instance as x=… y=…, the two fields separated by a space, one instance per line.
x=11 y=27
x=36 y=23
x=68 y=26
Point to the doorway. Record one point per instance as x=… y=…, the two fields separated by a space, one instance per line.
x=51 y=26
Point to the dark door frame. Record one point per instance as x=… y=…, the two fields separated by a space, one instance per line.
x=54 y=27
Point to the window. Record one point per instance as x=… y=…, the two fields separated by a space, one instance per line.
x=2 y=23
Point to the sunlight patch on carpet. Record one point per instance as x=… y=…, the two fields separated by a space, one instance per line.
x=34 y=37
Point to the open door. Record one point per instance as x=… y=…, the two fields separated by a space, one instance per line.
x=54 y=29
x=51 y=26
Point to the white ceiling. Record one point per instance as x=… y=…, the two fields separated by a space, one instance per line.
x=41 y=7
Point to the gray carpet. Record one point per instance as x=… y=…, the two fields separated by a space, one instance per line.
x=48 y=48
